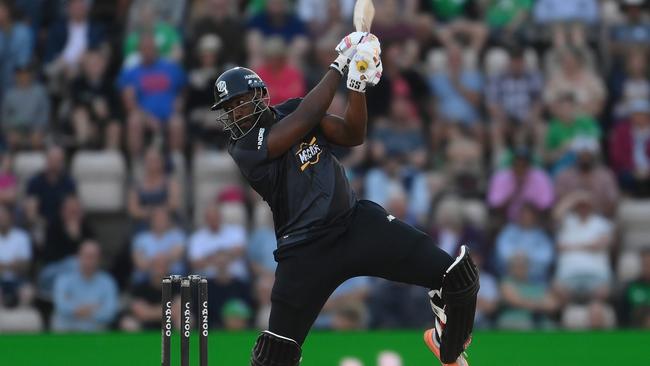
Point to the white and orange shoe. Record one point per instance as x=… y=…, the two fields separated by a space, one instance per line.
x=434 y=346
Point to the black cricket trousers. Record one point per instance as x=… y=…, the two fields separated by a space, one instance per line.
x=372 y=244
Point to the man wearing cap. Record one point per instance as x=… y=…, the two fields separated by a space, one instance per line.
x=629 y=150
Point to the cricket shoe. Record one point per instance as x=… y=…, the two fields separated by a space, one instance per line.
x=432 y=342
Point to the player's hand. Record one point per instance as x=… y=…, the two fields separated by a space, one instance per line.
x=368 y=54
x=348 y=45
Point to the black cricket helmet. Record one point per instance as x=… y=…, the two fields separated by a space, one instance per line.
x=234 y=83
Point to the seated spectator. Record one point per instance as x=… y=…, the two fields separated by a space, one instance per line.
x=152 y=97
x=513 y=101
x=24 y=124
x=450 y=229
x=170 y=12
x=568 y=20
x=15 y=259
x=236 y=315
x=327 y=17
x=221 y=18
x=633 y=83
x=8 y=181
x=507 y=20
x=527 y=304
x=458 y=92
x=583 y=243
x=635 y=309
x=47 y=190
x=632 y=32
x=217 y=248
x=589 y=174
x=155 y=188
x=143 y=309
x=629 y=149
x=456 y=19
x=69 y=38
x=163 y=239
x=276 y=19
x=511 y=188
x=488 y=297
x=567 y=124
x=283 y=80
x=463 y=161
x=574 y=77
x=168 y=40
x=348 y=298
x=526 y=237
x=85 y=300
x=200 y=97
x=94 y=96
x=260 y=247
x=17 y=44
x=63 y=237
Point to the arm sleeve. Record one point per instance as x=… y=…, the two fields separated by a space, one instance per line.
x=108 y=305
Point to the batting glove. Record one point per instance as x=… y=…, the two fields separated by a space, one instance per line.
x=366 y=68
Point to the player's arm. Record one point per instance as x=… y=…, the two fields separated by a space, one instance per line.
x=350 y=130
x=309 y=113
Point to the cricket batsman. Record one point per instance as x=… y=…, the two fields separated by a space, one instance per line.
x=325 y=235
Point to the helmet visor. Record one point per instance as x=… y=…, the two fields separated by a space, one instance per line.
x=239 y=124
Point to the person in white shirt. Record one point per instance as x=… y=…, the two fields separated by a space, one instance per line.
x=217 y=250
x=584 y=239
x=15 y=256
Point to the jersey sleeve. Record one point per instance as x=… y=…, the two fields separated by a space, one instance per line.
x=251 y=154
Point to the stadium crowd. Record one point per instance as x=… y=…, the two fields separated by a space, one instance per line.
x=518 y=127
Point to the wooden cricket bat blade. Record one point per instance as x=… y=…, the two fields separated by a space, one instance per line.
x=364 y=11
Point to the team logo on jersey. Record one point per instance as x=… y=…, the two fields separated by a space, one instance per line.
x=222 y=88
x=308 y=154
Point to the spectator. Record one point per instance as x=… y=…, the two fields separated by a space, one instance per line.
x=458 y=18
x=68 y=39
x=85 y=300
x=15 y=259
x=574 y=77
x=25 y=124
x=323 y=17
x=633 y=31
x=94 y=94
x=568 y=20
x=262 y=243
x=161 y=240
x=155 y=188
x=16 y=44
x=169 y=12
x=345 y=307
x=488 y=297
x=217 y=249
x=204 y=132
x=527 y=238
x=143 y=309
x=513 y=101
x=567 y=125
x=152 y=96
x=632 y=84
x=583 y=242
x=450 y=228
x=47 y=190
x=635 y=310
x=593 y=316
x=220 y=17
x=629 y=149
x=236 y=315
x=63 y=237
x=458 y=93
x=8 y=181
x=276 y=20
x=262 y=295
x=507 y=20
x=589 y=175
x=511 y=188
x=283 y=80
x=391 y=23
x=527 y=304
x=168 y=41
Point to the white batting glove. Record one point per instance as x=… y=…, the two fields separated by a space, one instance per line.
x=347 y=46
x=368 y=54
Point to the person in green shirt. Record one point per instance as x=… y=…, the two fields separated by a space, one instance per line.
x=505 y=19
x=635 y=310
x=458 y=18
x=566 y=125
x=168 y=40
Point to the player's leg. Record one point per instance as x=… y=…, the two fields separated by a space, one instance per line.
x=305 y=278
x=381 y=245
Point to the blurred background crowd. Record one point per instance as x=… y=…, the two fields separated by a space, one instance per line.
x=518 y=127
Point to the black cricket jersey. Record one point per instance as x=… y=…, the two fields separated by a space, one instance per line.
x=306 y=187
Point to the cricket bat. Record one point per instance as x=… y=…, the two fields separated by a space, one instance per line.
x=364 y=11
